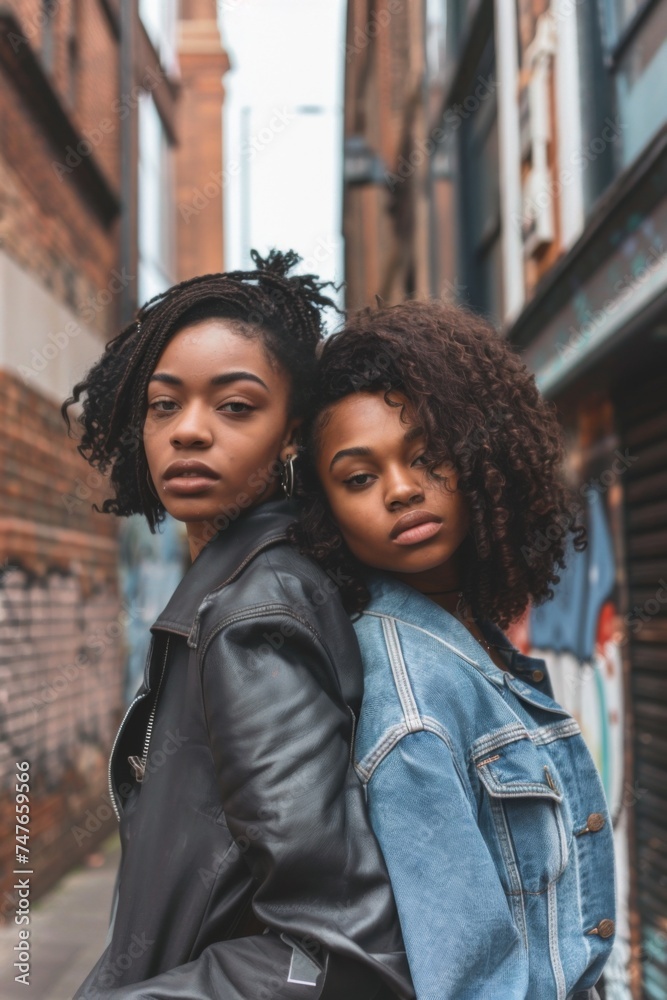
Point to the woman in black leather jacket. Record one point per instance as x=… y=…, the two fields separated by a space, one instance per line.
x=249 y=869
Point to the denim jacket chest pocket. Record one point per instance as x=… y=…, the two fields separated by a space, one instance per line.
x=521 y=812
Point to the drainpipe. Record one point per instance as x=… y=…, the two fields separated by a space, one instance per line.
x=127 y=162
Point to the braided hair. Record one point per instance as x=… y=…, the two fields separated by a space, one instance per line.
x=283 y=311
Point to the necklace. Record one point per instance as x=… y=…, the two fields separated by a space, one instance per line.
x=488 y=646
x=460 y=615
x=454 y=591
x=468 y=620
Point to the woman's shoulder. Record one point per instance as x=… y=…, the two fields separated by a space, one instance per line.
x=278 y=574
x=281 y=582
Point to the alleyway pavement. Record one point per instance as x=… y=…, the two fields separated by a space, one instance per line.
x=68 y=927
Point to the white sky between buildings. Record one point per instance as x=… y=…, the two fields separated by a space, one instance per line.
x=283 y=131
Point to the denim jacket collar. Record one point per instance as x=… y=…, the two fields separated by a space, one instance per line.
x=399 y=600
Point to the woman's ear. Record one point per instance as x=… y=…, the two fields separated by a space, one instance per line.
x=291 y=440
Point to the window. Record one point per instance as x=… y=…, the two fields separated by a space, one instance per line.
x=636 y=44
x=47 y=14
x=460 y=14
x=436 y=34
x=156 y=211
x=597 y=104
x=480 y=177
x=159 y=19
x=73 y=52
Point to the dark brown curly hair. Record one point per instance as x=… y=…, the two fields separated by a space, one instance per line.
x=283 y=311
x=481 y=411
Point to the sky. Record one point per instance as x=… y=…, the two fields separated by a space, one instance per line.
x=283 y=130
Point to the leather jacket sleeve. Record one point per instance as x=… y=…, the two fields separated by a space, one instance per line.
x=281 y=738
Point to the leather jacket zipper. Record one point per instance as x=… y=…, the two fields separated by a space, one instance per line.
x=138 y=698
x=112 y=794
x=137 y=764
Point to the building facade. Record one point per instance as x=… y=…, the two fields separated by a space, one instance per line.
x=89 y=101
x=540 y=151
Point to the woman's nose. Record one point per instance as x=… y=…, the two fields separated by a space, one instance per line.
x=191 y=429
x=402 y=488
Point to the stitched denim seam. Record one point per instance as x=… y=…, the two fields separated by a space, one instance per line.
x=517 y=789
x=366 y=767
x=418 y=628
x=432 y=726
x=556 y=965
x=549 y=734
x=507 y=850
x=400 y=674
x=510 y=733
x=513 y=732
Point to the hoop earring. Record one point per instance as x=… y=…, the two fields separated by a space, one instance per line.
x=151 y=485
x=287 y=476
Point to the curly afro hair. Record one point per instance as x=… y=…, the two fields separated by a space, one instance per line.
x=283 y=311
x=481 y=411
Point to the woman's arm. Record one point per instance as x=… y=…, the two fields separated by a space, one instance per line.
x=280 y=734
x=461 y=941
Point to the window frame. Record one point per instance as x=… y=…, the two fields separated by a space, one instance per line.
x=618 y=41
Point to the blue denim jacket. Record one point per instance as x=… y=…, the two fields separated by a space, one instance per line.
x=488 y=808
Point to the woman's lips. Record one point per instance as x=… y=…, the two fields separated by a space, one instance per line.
x=187 y=476
x=187 y=485
x=415 y=526
x=427 y=529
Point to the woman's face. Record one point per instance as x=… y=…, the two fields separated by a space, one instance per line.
x=216 y=425
x=392 y=514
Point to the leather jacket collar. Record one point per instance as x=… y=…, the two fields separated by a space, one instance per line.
x=221 y=560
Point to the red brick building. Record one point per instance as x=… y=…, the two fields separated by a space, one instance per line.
x=89 y=96
x=200 y=175
x=384 y=194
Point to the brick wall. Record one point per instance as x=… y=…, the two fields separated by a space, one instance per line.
x=385 y=226
x=45 y=224
x=61 y=638
x=199 y=171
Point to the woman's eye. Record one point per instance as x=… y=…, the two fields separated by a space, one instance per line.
x=421 y=460
x=361 y=479
x=236 y=406
x=162 y=406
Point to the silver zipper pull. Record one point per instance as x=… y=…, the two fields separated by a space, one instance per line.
x=138 y=767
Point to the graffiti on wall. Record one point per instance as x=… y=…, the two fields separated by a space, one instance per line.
x=576 y=633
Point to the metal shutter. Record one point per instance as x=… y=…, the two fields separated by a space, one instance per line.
x=642 y=416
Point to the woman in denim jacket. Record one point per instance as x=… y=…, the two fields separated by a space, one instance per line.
x=435 y=492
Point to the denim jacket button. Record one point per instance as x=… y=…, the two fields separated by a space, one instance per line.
x=595 y=822
x=605 y=928
x=538 y=675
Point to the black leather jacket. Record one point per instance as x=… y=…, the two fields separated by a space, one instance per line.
x=249 y=869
